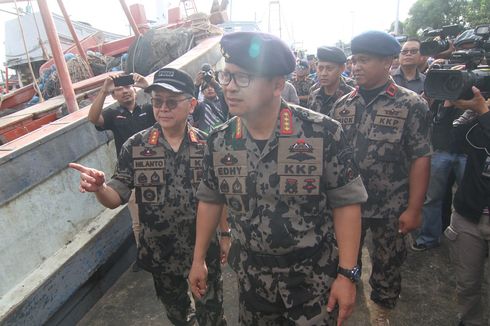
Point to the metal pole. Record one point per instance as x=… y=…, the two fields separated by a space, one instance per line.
x=397 y=19
x=59 y=59
x=6 y=80
x=81 y=51
x=130 y=18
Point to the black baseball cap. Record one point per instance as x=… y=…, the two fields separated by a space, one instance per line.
x=174 y=80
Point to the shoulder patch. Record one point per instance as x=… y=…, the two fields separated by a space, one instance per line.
x=307 y=114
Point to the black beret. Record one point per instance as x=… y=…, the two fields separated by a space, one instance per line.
x=375 y=42
x=331 y=54
x=258 y=53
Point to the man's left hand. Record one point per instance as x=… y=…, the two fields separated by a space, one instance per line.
x=476 y=104
x=409 y=220
x=140 y=81
x=343 y=293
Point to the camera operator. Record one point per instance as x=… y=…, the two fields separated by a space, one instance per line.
x=469 y=231
x=124 y=121
x=212 y=109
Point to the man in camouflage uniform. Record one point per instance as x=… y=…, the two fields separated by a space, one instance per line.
x=164 y=164
x=388 y=126
x=278 y=168
x=331 y=64
x=302 y=82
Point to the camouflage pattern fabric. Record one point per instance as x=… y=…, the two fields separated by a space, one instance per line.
x=303 y=88
x=284 y=251
x=322 y=103
x=165 y=183
x=387 y=256
x=387 y=135
x=172 y=291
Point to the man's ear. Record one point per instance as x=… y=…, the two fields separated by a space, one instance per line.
x=193 y=105
x=278 y=85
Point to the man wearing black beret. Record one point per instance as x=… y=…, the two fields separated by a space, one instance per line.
x=388 y=126
x=331 y=64
x=279 y=169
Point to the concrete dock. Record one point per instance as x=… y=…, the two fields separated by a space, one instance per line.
x=428 y=296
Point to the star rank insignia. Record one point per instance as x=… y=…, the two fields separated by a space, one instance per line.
x=286 y=122
x=154 y=137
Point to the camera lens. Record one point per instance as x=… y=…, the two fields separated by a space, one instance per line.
x=453 y=84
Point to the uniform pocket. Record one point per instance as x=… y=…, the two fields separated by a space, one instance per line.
x=386 y=151
x=451 y=233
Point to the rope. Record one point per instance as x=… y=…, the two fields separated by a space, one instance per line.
x=34 y=81
x=45 y=53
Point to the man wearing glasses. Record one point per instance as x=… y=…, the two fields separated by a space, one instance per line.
x=408 y=74
x=279 y=169
x=164 y=165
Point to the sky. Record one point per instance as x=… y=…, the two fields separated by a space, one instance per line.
x=305 y=23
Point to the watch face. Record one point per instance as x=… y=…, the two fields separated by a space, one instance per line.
x=353 y=274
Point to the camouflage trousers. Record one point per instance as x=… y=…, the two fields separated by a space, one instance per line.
x=387 y=256
x=286 y=295
x=255 y=311
x=173 y=292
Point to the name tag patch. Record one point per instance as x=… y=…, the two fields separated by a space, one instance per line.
x=148 y=158
x=346 y=116
x=231 y=170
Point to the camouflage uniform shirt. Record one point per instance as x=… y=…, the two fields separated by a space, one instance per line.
x=165 y=183
x=387 y=135
x=322 y=103
x=303 y=88
x=278 y=198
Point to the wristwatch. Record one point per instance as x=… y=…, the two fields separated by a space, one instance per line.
x=225 y=233
x=353 y=274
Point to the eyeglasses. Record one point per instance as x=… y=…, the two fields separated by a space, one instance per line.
x=411 y=51
x=170 y=103
x=241 y=79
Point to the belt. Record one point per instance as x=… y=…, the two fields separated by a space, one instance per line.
x=285 y=260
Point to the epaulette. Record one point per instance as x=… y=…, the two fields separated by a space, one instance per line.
x=307 y=114
x=353 y=94
x=391 y=89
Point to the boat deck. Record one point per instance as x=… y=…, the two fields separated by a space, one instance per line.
x=428 y=296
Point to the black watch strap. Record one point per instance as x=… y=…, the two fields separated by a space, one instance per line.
x=225 y=234
x=353 y=274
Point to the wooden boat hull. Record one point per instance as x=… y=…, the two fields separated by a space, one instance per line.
x=54 y=239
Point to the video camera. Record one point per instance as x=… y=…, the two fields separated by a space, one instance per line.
x=431 y=46
x=447 y=84
x=207 y=72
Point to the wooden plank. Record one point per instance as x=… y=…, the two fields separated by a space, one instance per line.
x=17 y=97
x=27 y=128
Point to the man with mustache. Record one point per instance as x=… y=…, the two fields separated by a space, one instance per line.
x=388 y=127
